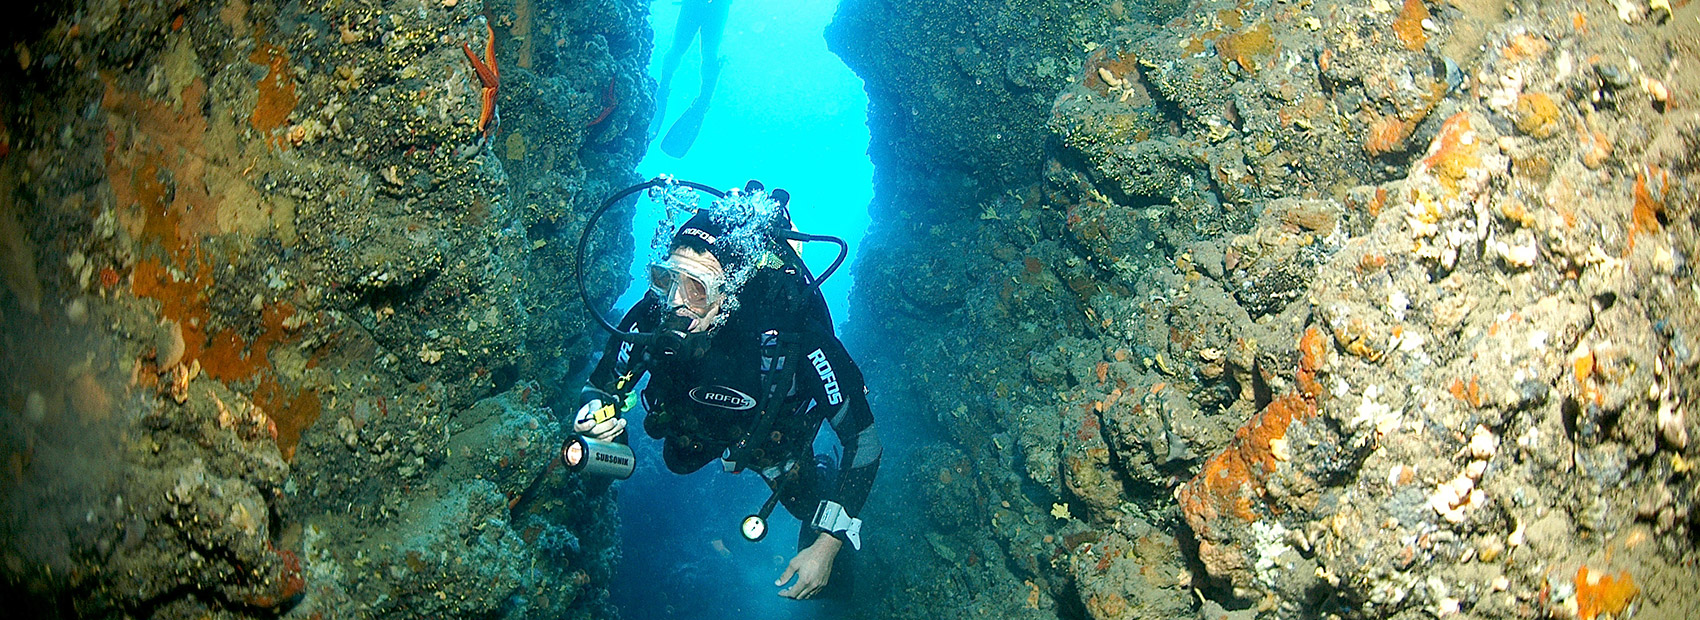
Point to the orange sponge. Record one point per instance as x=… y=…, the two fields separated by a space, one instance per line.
x=1598 y=592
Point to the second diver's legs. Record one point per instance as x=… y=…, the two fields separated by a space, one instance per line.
x=691 y=16
x=713 y=30
x=684 y=132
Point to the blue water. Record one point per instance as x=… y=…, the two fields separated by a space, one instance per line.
x=788 y=113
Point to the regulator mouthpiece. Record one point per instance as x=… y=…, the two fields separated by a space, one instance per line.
x=599 y=458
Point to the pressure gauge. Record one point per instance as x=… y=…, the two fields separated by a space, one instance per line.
x=754 y=528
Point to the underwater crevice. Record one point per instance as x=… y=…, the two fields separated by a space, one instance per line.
x=1141 y=493
x=376 y=297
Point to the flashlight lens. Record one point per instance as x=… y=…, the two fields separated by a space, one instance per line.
x=575 y=453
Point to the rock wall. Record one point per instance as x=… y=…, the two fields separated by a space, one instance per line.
x=1345 y=309
x=288 y=308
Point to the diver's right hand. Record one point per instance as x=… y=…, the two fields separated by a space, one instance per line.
x=585 y=423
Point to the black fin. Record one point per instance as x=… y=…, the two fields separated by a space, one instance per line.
x=684 y=132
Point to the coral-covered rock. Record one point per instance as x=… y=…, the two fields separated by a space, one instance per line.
x=1274 y=262
x=1397 y=288
x=286 y=264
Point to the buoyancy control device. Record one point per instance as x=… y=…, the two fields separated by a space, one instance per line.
x=672 y=338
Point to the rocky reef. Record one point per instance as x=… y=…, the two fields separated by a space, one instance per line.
x=1350 y=309
x=288 y=322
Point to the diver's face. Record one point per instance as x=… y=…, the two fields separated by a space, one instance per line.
x=690 y=283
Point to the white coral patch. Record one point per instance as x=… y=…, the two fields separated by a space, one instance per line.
x=1521 y=255
x=1271 y=542
x=1483 y=443
x=1510 y=86
x=1371 y=411
x=1397 y=303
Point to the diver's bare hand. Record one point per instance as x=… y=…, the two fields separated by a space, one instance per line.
x=584 y=423
x=812 y=567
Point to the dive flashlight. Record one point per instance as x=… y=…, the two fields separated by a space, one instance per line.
x=599 y=458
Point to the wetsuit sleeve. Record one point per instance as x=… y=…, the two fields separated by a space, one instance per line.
x=617 y=354
x=838 y=387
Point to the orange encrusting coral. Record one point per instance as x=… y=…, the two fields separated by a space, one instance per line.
x=224 y=355
x=1246 y=47
x=180 y=301
x=1585 y=366
x=1598 y=592
x=1233 y=477
x=1125 y=66
x=228 y=358
x=1537 y=115
x=157 y=166
x=1453 y=153
x=277 y=97
x=1385 y=135
x=1468 y=392
x=1645 y=210
x=1388 y=133
x=1409 y=25
x=282 y=586
x=1313 y=351
x=292 y=410
x=1231 y=484
x=1523 y=47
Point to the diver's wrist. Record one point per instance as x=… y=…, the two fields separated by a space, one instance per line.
x=828 y=542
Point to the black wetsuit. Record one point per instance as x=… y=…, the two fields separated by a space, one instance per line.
x=707 y=402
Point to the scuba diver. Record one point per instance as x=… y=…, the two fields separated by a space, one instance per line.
x=709 y=18
x=744 y=368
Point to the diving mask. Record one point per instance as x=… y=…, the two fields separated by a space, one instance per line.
x=686 y=286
